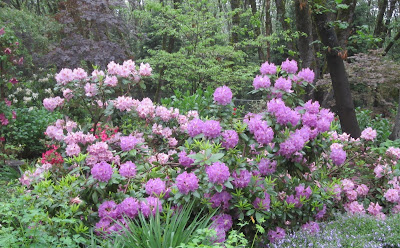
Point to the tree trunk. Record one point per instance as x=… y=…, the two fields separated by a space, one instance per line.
x=235 y=4
x=391 y=43
x=396 y=128
x=268 y=26
x=306 y=49
x=379 y=19
x=340 y=83
x=346 y=15
x=281 y=16
x=257 y=30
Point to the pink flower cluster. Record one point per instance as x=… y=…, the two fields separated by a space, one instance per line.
x=368 y=134
x=261 y=82
x=338 y=155
x=102 y=171
x=52 y=103
x=284 y=115
x=223 y=95
x=218 y=173
x=290 y=66
x=187 y=182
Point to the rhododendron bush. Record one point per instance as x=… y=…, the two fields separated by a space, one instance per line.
x=278 y=169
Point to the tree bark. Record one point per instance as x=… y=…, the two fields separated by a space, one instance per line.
x=281 y=16
x=379 y=19
x=346 y=15
x=391 y=43
x=307 y=53
x=340 y=83
x=235 y=4
x=268 y=26
x=257 y=30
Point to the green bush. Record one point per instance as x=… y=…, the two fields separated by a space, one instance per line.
x=29 y=128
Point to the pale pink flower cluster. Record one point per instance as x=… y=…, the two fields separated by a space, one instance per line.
x=164 y=113
x=368 y=134
x=79 y=137
x=125 y=70
x=64 y=76
x=72 y=150
x=52 y=102
x=355 y=208
x=375 y=210
x=145 y=108
x=90 y=89
x=55 y=132
x=392 y=195
x=68 y=94
x=111 y=81
x=393 y=152
x=125 y=103
x=79 y=74
x=97 y=75
x=145 y=69
x=28 y=177
x=98 y=152
x=162 y=158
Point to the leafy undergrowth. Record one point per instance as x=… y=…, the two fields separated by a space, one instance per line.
x=349 y=231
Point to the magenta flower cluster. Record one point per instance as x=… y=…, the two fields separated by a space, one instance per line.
x=187 y=182
x=102 y=171
x=223 y=95
x=218 y=173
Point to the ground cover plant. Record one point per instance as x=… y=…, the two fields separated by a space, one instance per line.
x=265 y=173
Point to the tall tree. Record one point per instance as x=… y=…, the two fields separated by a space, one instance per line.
x=257 y=29
x=340 y=83
x=235 y=5
x=268 y=26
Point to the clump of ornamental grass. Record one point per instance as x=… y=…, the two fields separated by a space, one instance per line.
x=348 y=231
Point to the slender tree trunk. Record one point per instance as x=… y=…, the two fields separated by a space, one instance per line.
x=379 y=19
x=389 y=15
x=235 y=5
x=340 y=83
x=306 y=49
x=257 y=30
x=346 y=15
x=281 y=15
x=391 y=43
x=396 y=128
x=268 y=26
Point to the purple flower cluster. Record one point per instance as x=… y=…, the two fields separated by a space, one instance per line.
x=221 y=199
x=262 y=132
x=276 y=235
x=302 y=191
x=218 y=173
x=284 y=115
x=307 y=75
x=98 y=152
x=262 y=204
x=155 y=187
x=268 y=68
x=242 y=179
x=223 y=95
x=283 y=84
x=231 y=139
x=150 y=206
x=128 y=169
x=195 y=127
x=129 y=207
x=184 y=160
x=338 y=155
x=261 y=82
x=290 y=66
x=128 y=143
x=211 y=129
x=311 y=227
x=295 y=142
x=109 y=209
x=187 y=182
x=266 y=166
x=221 y=224
x=102 y=171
